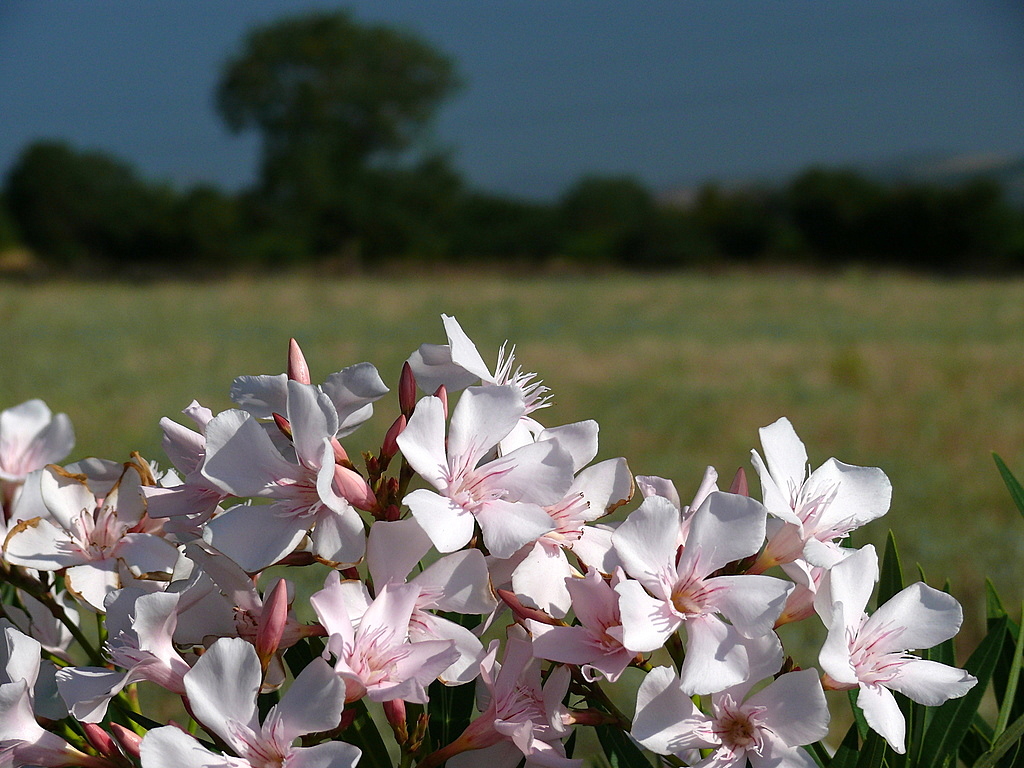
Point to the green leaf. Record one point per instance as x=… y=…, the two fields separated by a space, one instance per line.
x=1012 y=676
x=450 y=708
x=364 y=734
x=819 y=753
x=1009 y=738
x=890 y=578
x=872 y=754
x=858 y=715
x=846 y=755
x=1012 y=484
x=952 y=720
x=620 y=749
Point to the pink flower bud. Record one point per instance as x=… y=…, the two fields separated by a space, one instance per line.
x=390 y=445
x=407 y=390
x=340 y=456
x=352 y=487
x=297 y=368
x=739 y=483
x=129 y=740
x=273 y=619
x=442 y=395
x=394 y=711
x=100 y=739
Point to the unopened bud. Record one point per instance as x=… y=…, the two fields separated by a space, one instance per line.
x=273 y=619
x=394 y=711
x=739 y=483
x=354 y=488
x=297 y=368
x=347 y=718
x=340 y=456
x=523 y=612
x=407 y=390
x=283 y=425
x=592 y=717
x=100 y=739
x=129 y=740
x=390 y=445
x=442 y=395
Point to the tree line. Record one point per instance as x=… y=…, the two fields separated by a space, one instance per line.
x=346 y=178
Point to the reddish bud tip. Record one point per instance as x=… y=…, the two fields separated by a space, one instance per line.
x=283 y=425
x=407 y=390
x=353 y=488
x=273 y=619
x=347 y=718
x=394 y=711
x=390 y=445
x=129 y=740
x=442 y=395
x=739 y=483
x=297 y=368
x=340 y=456
x=100 y=739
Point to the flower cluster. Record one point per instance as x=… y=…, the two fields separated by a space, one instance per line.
x=472 y=550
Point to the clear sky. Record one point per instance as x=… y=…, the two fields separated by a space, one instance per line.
x=671 y=91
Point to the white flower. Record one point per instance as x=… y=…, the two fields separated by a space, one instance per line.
x=870 y=653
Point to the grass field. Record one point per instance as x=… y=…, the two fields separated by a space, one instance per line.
x=922 y=378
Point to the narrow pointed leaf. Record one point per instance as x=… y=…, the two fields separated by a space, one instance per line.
x=890 y=577
x=846 y=755
x=858 y=716
x=620 y=749
x=1011 y=677
x=1012 y=484
x=364 y=734
x=1009 y=738
x=872 y=754
x=953 y=719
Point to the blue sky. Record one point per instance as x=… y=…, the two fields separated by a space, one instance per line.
x=671 y=92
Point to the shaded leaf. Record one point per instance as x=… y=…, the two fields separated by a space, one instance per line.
x=952 y=720
x=1012 y=484
x=620 y=750
x=846 y=755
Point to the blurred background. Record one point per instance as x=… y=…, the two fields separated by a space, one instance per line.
x=691 y=218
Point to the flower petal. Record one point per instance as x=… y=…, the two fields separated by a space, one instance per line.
x=785 y=454
x=724 y=528
x=795 y=709
x=312 y=704
x=222 y=687
x=883 y=715
x=353 y=390
x=171 y=747
x=509 y=525
x=931 y=683
x=448 y=525
x=666 y=721
x=927 y=615
x=330 y=754
x=422 y=442
x=255 y=535
x=482 y=417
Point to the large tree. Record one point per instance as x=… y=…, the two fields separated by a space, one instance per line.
x=333 y=99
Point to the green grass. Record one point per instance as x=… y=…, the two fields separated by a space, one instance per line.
x=922 y=378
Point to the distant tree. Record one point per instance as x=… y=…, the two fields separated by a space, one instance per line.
x=491 y=226
x=87 y=208
x=9 y=237
x=607 y=219
x=833 y=210
x=331 y=98
x=743 y=224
